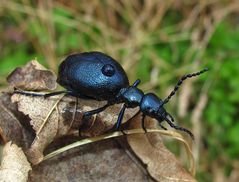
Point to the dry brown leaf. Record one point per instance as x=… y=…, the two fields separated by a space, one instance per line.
x=51 y=119
x=10 y=128
x=100 y=161
x=32 y=76
x=14 y=165
x=161 y=164
x=37 y=110
x=14 y=124
x=59 y=121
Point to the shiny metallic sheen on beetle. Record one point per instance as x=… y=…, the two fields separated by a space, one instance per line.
x=95 y=75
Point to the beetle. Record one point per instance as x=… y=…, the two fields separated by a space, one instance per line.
x=95 y=75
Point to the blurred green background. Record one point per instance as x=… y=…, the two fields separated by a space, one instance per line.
x=155 y=40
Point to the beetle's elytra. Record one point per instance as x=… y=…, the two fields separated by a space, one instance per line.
x=93 y=74
x=96 y=75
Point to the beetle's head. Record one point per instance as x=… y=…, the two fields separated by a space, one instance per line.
x=152 y=106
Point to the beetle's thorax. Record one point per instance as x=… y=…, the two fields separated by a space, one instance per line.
x=131 y=96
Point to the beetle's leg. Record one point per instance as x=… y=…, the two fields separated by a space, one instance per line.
x=136 y=83
x=142 y=123
x=162 y=126
x=179 y=128
x=160 y=123
x=170 y=117
x=96 y=111
x=74 y=113
x=57 y=93
x=35 y=94
x=120 y=117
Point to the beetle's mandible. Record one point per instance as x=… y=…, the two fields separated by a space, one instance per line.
x=95 y=75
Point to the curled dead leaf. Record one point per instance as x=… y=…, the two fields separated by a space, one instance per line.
x=161 y=164
x=32 y=76
x=10 y=128
x=58 y=116
x=99 y=161
x=14 y=165
x=58 y=113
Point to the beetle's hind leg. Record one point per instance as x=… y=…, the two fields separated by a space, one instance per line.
x=35 y=94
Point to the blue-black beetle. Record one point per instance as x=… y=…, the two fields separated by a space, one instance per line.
x=95 y=75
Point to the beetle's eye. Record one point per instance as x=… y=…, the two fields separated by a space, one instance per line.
x=108 y=70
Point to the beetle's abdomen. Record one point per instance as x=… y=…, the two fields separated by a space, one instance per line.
x=92 y=74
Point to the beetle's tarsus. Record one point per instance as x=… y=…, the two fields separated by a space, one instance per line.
x=122 y=131
x=162 y=126
x=179 y=128
x=170 y=117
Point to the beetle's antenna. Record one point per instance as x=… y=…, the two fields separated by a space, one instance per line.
x=181 y=81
